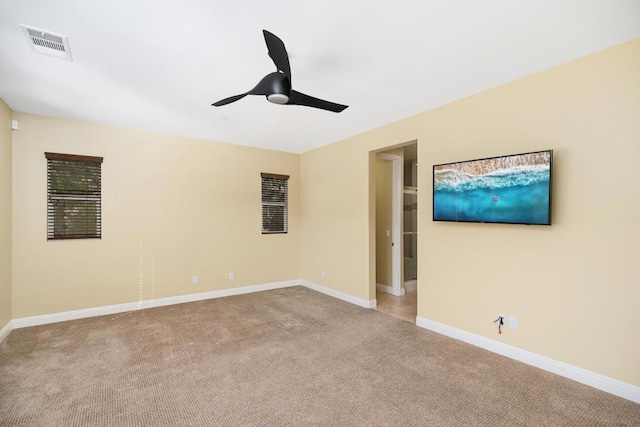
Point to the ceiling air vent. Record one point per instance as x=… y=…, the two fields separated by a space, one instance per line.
x=46 y=42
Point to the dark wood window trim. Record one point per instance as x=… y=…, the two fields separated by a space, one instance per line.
x=273 y=175
x=275 y=198
x=74 y=196
x=73 y=157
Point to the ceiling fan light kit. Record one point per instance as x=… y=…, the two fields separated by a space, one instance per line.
x=278 y=98
x=276 y=86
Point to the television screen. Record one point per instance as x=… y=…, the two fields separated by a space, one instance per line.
x=513 y=189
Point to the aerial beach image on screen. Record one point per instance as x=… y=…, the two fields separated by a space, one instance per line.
x=511 y=189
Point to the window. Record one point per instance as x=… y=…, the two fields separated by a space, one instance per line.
x=274 y=203
x=73 y=196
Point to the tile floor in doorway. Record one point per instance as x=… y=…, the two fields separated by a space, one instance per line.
x=403 y=307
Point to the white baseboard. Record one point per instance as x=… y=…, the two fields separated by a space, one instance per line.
x=411 y=285
x=159 y=302
x=4 y=332
x=340 y=295
x=384 y=288
x=388 y=289
x=132 y=306
x=601 y=382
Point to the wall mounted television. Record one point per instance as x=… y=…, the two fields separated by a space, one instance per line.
x=513 y=189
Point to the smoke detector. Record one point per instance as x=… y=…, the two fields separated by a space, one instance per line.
x=46 y=42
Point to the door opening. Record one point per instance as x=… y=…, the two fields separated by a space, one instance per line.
x=397 y=232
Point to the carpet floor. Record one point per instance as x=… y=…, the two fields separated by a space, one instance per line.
x=287 y=357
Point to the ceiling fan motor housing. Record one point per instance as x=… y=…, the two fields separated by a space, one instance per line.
x=280 y=89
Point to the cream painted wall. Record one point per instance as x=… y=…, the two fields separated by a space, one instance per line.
x=573 y=286
x=172 y=207
x=384 y=187
x=5 y=214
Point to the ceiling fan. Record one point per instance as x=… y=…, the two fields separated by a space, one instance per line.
x=276 y=86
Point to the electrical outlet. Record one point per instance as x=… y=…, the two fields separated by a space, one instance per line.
x=322 y=273
x=194 y=280
x=513 y=322
x=231 y=275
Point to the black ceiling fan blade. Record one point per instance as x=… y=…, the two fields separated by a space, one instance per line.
x=229 y=100
x=278 y=53
x=298 y=98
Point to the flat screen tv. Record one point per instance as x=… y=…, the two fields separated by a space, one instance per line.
x=514 y=189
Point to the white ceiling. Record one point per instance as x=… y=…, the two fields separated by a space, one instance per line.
x=159 y=64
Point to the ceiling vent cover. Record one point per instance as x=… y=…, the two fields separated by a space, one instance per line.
x=46 y=42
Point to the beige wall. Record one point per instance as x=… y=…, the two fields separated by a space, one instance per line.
x=574 y=285
x=172 y=208
x=5 y=214
x=384 y=186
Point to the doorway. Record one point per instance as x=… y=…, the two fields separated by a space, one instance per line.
x=396 y=232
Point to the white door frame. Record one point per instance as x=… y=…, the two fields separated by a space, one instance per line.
x=396 y=222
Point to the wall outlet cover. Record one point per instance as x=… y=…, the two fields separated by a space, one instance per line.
x=513 y=322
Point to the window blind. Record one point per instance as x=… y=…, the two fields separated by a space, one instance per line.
x=74 y=196
x=274 y=203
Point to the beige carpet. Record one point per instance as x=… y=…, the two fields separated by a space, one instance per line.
x=288 y=357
